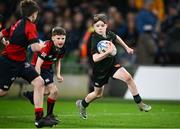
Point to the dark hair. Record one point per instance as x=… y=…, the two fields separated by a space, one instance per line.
x=100 y=17
x=28 y=7
x=58 y=31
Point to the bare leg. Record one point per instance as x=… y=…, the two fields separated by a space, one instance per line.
x=122 y=74
x=97 y=93
x=53 y=91
x=38 y=84
x=82 y=104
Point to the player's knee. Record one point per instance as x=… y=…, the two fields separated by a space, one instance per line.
x=54 y=92
x=38 y=82
x=99 y=95
x=128 y=78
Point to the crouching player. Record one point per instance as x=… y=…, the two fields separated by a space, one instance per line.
x=43 y=61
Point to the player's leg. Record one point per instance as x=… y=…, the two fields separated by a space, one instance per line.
x=123 y=75
x=48 y=78
x=28 y=73
x=47 y=75
x=38 y=96
x=51 y=100
x=30 y=95
x=7 y=75
x=97 y=93
x=83 y=104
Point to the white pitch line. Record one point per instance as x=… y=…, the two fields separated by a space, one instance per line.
x=96 y=114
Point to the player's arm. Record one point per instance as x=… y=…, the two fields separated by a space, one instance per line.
x=58 y=70
x=39 y=64
x=35 y=47
x=122 y=43
x=32 y=36
x=100 y=56
x=1 y=35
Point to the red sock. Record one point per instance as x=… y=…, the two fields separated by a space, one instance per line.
x=50 y=106
x=38 y=113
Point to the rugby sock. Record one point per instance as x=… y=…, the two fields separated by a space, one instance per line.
x=38 y=113
x=84 y=103
x=137 y=98
x=50 y=106
x=29 y=95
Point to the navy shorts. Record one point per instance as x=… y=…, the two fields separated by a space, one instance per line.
x=47 y=75
x=10 y=70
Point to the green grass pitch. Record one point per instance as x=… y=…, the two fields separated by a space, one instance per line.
x=104 y=113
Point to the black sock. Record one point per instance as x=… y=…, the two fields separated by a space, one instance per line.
x=30 y=95
x=137 y=98
x=50 y=106
x=38 y=113
x=84 y=103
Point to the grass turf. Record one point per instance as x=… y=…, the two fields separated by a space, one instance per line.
x=104 y=113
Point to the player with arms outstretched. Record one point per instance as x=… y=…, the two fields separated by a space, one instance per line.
x=105 y=66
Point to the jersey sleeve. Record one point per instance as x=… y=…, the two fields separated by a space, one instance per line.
x=112 y=35
x=31 y=32
x=93 y=45
x=44 y=51
x=6 y=32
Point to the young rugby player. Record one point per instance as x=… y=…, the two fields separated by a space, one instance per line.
x=13 y=58
x=105 y=66
x=43 y=61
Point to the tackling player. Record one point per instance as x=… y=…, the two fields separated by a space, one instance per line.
x=13 y=62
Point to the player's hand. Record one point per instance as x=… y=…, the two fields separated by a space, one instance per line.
x=5 y=42
x=130 y=50
x=110 y=47
x=42 y=45
x=60 y=78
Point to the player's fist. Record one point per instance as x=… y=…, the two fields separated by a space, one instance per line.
x=130 y=50
x=60 y=78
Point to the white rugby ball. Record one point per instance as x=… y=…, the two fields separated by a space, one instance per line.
x=102 y=47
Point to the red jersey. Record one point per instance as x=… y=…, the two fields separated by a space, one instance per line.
x=20 y=35
x=49 y=54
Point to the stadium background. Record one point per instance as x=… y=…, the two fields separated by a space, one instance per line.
x=151 y=27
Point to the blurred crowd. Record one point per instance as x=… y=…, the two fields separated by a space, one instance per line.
x=151 y=27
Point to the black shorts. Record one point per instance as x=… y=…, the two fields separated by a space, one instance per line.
x=100 y=80
x=47 y=75
x=10 y=70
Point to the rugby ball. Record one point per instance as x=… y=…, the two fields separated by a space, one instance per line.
x=102 y=47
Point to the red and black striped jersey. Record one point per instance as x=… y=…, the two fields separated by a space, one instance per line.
x=20 y=35
x=49 y=54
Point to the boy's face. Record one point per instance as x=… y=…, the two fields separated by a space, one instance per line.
x=59 y=40
x=34 y=16
x=100 y=27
